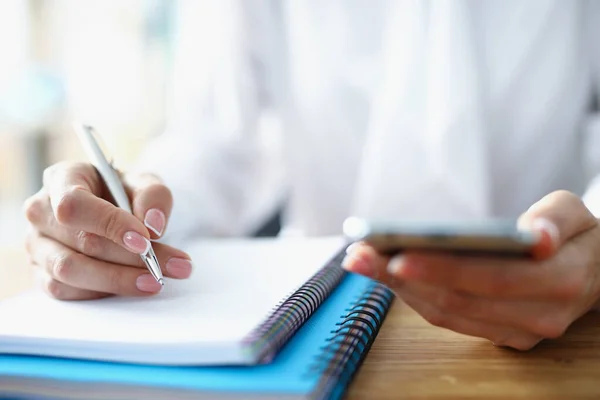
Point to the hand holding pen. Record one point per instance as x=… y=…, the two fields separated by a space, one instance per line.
x=87 y=243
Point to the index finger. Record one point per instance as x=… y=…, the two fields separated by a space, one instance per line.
x=151 y=201
x=74 y=191
x=487 y=276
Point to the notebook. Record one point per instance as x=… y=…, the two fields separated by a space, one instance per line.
x=243 y=301
x=317 y=361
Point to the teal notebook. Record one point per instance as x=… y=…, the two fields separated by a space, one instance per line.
x=318 y=337
x=319 y=362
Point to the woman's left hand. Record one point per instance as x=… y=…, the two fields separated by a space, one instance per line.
x=511 y=302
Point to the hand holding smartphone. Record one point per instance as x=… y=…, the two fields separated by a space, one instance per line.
x=496 y=238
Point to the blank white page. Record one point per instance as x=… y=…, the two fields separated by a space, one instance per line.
x=236 y=283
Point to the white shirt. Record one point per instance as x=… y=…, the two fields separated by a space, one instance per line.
x=381 y=109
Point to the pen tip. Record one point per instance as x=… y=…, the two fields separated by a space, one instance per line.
x=161 y=281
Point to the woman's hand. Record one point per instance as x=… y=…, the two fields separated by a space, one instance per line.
x=86 y=248
x=514 y=303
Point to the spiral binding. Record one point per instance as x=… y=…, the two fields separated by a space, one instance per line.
x=288 y=316
x=349 y=344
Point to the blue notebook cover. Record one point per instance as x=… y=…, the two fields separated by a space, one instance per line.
x=318 y=362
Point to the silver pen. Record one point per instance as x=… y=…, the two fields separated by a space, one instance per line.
x=87 y=135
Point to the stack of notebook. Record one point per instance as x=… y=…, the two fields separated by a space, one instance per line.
x=262 y=318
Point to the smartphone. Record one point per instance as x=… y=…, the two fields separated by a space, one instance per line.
x=486 y=238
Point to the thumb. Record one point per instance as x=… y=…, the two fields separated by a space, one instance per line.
x=151 y=201
x=556 y=218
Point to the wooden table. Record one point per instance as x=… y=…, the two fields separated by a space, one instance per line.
x=413 y=360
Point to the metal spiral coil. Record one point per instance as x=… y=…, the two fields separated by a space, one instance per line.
x=284 y=321
x=349 y=344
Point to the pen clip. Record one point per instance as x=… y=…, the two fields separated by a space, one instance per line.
x=102 y=146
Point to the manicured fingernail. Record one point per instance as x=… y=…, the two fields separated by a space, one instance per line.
x=136 y=242
x=348 y=259
x=545 y=225
x=179 y=268
x=351 y=247
x=147 y=283
x=155 y=220
x=357 y=265
x=395 y=265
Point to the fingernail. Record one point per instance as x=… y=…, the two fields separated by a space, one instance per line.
x=147 y=283
x=179 y=268
x=155 y=220
x=351 y=247
x=357 y=265
x=545 y=225
x=395 y=265
x=136 y=242
x=346 y=261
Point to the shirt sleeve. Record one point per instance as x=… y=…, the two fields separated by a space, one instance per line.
x=591 y=126
x=219 y=152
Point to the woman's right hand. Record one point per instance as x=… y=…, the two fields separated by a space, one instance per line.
x=86 y=247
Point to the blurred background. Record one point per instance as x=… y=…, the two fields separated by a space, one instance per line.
x=106 y=62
